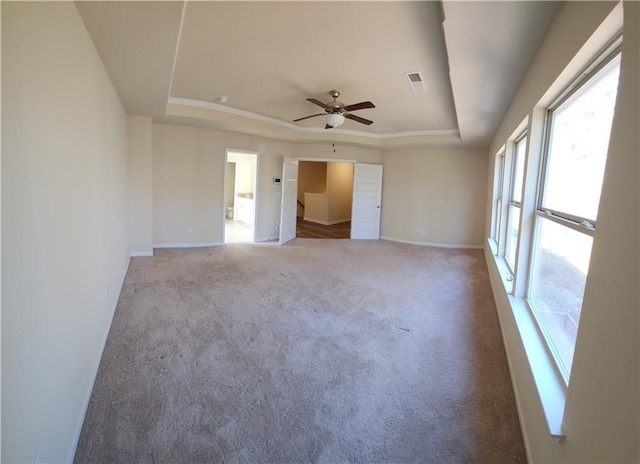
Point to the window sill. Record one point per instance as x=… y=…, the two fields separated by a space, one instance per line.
x=548 y=380
x=506 y=276
x=493 y=245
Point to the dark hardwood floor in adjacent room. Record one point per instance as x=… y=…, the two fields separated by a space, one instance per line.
x=306 y=229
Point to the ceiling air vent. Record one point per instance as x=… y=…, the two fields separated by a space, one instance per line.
x=415 y=81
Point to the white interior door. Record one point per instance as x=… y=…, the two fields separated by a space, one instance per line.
x=289 y=199
x=367 y=195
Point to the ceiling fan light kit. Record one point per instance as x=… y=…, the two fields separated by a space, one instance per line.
x=335 y=112
x=334 y=119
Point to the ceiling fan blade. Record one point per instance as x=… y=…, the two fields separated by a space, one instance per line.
x=360 y=106
x=307 y=117
x=316 y=102
x=358 y=119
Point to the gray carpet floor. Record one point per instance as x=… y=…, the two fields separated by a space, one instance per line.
x=318 y=351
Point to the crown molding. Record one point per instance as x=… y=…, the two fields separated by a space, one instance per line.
x=287 y=125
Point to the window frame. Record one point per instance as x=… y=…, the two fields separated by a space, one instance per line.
x=512 y=288
x=499 y=200
x=522 y=136
x=579 y=224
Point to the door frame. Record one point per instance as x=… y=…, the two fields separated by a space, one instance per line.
x=356 y=232
x=324 y=160
x=255 y=182
x=235 y=187
x=287 y=160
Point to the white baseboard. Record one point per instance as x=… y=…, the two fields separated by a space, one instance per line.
x=268 y=239
x=326 y=223
x=438 y=245
x=96 y=368
x=135 y=254
x=187 y=245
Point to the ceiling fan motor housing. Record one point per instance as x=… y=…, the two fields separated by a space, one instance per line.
x=335 y=106
x=335 y=111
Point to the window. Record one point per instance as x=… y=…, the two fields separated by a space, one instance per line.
x=498 y=204
x=515 y=201
x=578 y=129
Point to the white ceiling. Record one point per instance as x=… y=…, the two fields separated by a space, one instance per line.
x=173 y=60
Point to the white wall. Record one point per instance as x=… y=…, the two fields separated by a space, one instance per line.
x=602 y=412
x=64 y=232
x=139 y=185
x=245 y=168
x=434 y=195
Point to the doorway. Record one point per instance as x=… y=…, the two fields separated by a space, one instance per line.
x=325 y=195
x=240 y=196
x=365 y=207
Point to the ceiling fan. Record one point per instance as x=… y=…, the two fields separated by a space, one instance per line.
x=335 y=111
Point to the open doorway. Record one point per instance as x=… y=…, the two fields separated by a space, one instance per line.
x=324 y=201
x=240 y=196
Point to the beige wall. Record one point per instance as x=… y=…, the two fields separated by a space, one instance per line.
x=602 y=411
x=340 y=191
x=316 y=207
x=334 y=180
x=64 y=227
x=324 y=151
x=230 y=176
x=139 y=185
x=607 y=360
x=0 y=238
x=312 y=178
x=434 y=196
x=188 y=173
x=67 y=199
x=440 y=190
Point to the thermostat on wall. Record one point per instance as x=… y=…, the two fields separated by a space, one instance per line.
x=277 y=180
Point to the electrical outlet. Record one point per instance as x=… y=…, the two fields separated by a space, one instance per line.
x=275 y=225
x=189 y=230
x=106 y=294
